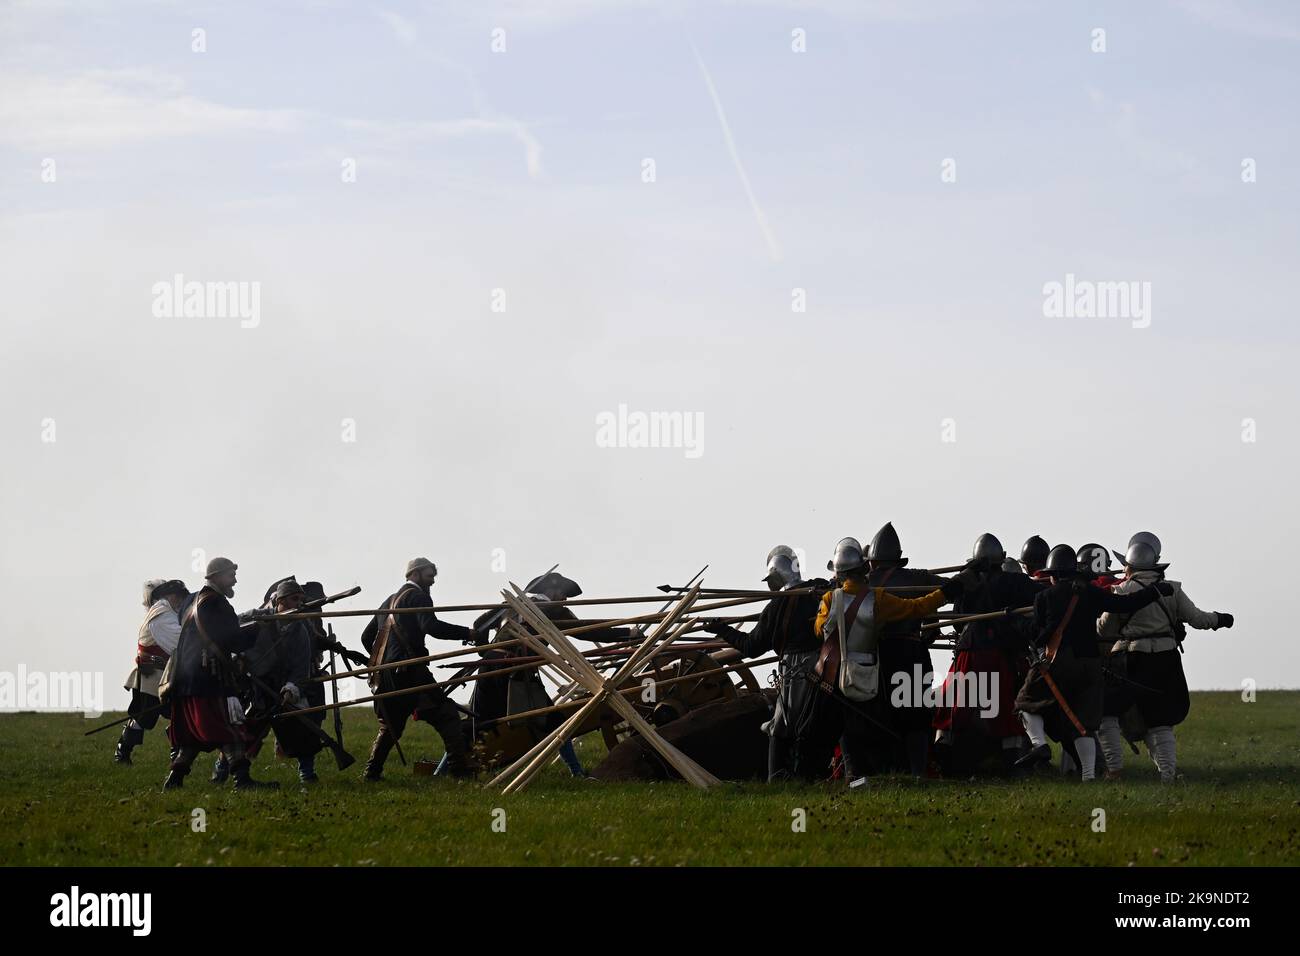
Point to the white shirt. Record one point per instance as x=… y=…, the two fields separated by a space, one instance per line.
x=164 y=626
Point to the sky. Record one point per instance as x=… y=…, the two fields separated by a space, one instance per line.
x=820 y=231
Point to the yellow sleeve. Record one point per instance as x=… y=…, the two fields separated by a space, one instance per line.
x=890 y=608
x=823 y=613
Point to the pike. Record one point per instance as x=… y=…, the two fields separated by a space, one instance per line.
x=649 y=618
x=443 y=609
x=319 y=602
x=986 y=616
x=484 y=627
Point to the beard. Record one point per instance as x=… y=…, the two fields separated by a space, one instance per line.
x=227 y=590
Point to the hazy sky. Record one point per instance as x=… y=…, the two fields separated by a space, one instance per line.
x=381 y=407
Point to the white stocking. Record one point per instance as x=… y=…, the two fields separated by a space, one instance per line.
x=1034 y=727
x=1112 y=743
x=1087 y=748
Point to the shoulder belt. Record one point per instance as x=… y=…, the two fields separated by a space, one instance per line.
x=1054 y=642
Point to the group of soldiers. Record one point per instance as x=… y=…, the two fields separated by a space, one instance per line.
x=1070 y=650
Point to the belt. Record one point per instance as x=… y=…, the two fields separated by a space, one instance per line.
x=1146 y=645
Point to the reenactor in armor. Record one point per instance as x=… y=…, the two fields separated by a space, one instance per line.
x=785 y=626
x=989 y=653
x=391 y=638
x=1065 y=683
x=1149 y=697
x=904 y=658
x=850 y=620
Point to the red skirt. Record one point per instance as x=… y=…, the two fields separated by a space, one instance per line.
x=203 y=723
x=959 y=716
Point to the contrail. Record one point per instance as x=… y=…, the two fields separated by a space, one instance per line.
x=772 y=246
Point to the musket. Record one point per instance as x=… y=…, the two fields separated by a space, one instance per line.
x=338 y=714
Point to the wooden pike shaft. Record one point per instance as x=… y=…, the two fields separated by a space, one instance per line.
x=446 y=608
x=555 y=708
x=571 y=632
x=989 y=616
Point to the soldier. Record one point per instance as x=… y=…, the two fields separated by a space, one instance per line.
x=785 y=626
x=989 y=654
x=849 y=620
x=1033 y=555
x=904 y=655
x=204 y=690
x=283 y=659
x=155 y=643
x=523 y=690
x=1151 y=698
x=1065 y=684
x=396 y=637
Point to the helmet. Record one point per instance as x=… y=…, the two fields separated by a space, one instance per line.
x=1142 y=557
x=220 y=566
x=782 y=567
x=886 y=547
x=289 y=587
x=167 y=588
x=987 y=547
x=1093 y=559
x=1062 y=561
x=1147 y=537
x=1033 y=554
x=848 y=556
x=554 y=587
x=1012 y=566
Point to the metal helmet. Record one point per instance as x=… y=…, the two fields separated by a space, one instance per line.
x=1033 y=553
x=885 y=546
x=1062 y=561
x=782 y=567
x=1147 y=537
x=1094 y=559
x=1142 y=557
x=988 y=548
x=220 y=566
x=848 y=556
x=1012 y=566
x=554 y=587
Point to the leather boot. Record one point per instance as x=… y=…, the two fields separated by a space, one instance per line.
x=175 y=778
x=239 y=770
x=379 y=751
x=220 y=769
x=130 y=739
x=1039 y=755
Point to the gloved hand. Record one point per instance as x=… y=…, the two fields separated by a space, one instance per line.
x=713 y=625
x=356 y=657
x=1225 y=619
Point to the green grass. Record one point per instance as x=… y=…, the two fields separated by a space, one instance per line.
x=62 y=801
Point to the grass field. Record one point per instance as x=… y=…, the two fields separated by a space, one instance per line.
x=62 y=801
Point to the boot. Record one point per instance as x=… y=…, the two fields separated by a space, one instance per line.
x=220 y=769
x=379 y=751
x=239 y=770
x=175 y=778
x=131 y=738
x=307 y=769
x=1040 y=754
